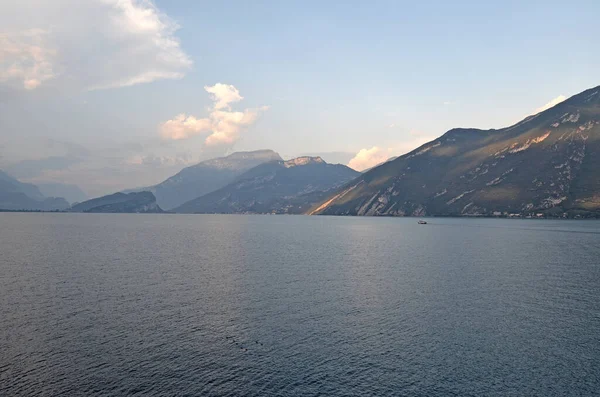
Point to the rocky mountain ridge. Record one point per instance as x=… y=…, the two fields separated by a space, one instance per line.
x=282 y=187
x=205 y=177
x=547 y=164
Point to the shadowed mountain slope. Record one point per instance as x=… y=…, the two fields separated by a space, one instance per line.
x=276 y=187
x=137 y=202
x=548 y=163
x=205 y=177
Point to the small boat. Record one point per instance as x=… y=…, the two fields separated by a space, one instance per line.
x=422 y=222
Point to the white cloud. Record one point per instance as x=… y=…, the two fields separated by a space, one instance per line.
x=550 y=104
x=370 y=157
x=183 y=127
x=25 y=59
x=367 y=158
x=223 y=95
x=227 y=125
x=223 y=124
x=95 y=44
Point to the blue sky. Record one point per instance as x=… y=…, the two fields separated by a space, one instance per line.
x=110 y=80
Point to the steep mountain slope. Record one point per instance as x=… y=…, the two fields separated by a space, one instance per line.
x=205 y=177
x=16 y=195
x=276 y=187
x=548 y=163
x=139 y=202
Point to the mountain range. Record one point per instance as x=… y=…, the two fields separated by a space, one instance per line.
x=547 y=164
x=281 y=187
x=205 y=177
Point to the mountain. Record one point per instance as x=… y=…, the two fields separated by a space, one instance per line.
x=16 y=201
x=205 y=177
x=138 y=202
x=548 y=163
x=72 y=193
x=290 y=186
x=377 y=165
x=16 y=195
x=10 y=184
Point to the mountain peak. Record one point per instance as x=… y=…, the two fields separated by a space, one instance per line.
x=238 y=160
x=253 y=153
x=303 y=160
x=285 y=187
x=207 y=176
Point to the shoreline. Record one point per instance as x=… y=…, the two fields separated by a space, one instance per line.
x=528 y=217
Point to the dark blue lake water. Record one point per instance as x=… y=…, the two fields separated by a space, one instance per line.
x=160 y=305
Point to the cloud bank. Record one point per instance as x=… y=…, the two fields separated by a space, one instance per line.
x=92 y=44
x=222 y=124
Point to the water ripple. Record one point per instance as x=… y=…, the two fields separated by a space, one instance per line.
x=284 y=306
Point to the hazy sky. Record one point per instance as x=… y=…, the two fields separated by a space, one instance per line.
x=112 y=94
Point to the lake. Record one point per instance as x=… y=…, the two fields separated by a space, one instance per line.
x=217 y=305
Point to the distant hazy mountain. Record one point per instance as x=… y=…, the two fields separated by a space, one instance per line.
x=275 y=187
x=72 y=193
x=16 y=195
x=10 y=184
x=548 y=163
x=138 y=202
x=205 y=177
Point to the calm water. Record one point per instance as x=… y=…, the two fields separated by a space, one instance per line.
x=147 y=305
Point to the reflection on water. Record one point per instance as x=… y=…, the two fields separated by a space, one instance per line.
x=283 y=305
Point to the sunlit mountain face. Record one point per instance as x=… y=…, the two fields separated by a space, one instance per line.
x=548 y=163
